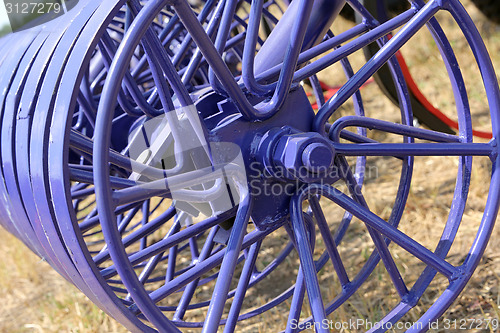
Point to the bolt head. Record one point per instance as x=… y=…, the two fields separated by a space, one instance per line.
x=303 y=155
x=318 y=157
x=287 y=153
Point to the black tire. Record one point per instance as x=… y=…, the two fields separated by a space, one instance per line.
x=490 y=8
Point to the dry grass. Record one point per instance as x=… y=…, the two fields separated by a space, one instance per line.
x=34 y=298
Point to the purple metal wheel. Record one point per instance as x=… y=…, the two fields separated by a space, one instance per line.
x=180 y=229
x=214 y=258
x=10 y=65
x=288 y=293
x=380 y=232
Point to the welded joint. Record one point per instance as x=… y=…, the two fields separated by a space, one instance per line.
x=494 y=151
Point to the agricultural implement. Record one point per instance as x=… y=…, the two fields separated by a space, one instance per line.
x=164 y=157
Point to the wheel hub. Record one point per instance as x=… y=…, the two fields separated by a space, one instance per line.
x=281 y=153
x=291 y=155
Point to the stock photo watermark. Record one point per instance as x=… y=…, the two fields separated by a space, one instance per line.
x=261 y=182
x=25 y=14
x=360 y=324
x=169 y=153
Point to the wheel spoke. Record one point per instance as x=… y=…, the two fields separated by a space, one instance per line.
x=144 y=221
x=154 y=261
x=203 y=267
x=414 y=149
x=83 y=144
x=330 y=245
x=377 y=223
x=211 y=30
x=172 y=261
x=243 y=283
x=83 y=193
x=166 y=243
x=82 y=176
x=374 y=64
x=297 y=301
x=109 y=51
x=342 y=51
x=379 y=242
x=337 y=129
x=307 y=264
x=166 y=185
x=223 y=283
x=159 y=53
x=92 y=219
x=191 y=288
x=135 y=236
